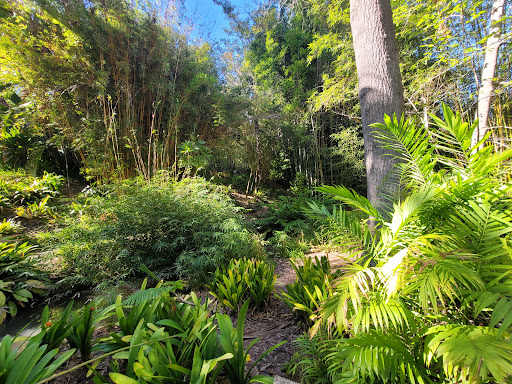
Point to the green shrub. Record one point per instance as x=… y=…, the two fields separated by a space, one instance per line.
x=20 y=278
x=286 y=214
x=180 y=229
x=430 y=301
x=312 y=286
x=284 y=245
x=241 y=280
x=17 y=188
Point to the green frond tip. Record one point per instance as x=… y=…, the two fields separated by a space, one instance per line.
x=471 y=353
x=376 y=356
x=351 y=198
x=150 y=294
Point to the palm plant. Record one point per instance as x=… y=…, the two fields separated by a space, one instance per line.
x=429 y=297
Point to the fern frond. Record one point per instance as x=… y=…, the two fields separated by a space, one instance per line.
x=376 y=356
x=411 y=145
x=471 y=353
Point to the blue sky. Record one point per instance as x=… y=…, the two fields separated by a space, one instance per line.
x=208 y=19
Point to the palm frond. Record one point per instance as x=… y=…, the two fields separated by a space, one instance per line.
x=357 y=230
x=482 y=229
x=383 y=314
x=349 y=292
x=411 y=145
x=453 y=138
x=493 y=305
x=442 y=279
x=470 y=353
x=359 y=305
x=377 y=357
x=408 y=210
x=150 y=294
x=353 y=199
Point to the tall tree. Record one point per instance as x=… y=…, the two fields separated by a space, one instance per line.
x=490 y=60
x=380 y=88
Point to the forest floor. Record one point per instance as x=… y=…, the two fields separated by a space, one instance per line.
x=272 y=324
x=276 y=322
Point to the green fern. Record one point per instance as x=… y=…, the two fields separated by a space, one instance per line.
x=471 y=353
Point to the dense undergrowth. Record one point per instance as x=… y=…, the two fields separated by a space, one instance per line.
x=155 y=337
x=181 y=229
x=427 y=297
x=423 y=298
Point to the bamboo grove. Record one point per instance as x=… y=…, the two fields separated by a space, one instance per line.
x=117 y=90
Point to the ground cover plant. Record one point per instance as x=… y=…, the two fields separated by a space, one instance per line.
x=429 y=301
x=17 y=188
x=21 y=277
x=312 y=286
x=243 y=280
x=179 y=228
x=176 y=339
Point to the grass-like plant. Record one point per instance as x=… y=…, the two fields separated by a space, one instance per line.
x=9 y=227
x=83 y=325
x=36 y=209
x=243 y=279
x=232 y=342
x=30 y=364
x=312 y=286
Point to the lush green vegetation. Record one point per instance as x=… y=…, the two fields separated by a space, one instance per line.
x=241 y=281
x=428 y=299
x=161 y=134
x=180 y=229
x=161 y=337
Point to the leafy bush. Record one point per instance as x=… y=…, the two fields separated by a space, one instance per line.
x=37 y=209
x=20 y=278
x=17 y=188
x=430 y=300
x=182 y=229
x=312 y=286
x=286 y=214
x=9 y=227
x=243 y=279
x=284 y=245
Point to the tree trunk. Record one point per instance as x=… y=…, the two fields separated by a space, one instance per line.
x=490 y=59
x=380 y=89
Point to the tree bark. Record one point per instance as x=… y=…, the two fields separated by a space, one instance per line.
x=492 y=47
x=380 y=89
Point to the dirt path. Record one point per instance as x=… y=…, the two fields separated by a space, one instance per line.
x=276 y=323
